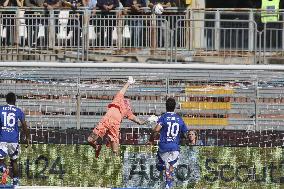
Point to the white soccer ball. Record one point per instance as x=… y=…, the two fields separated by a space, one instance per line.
x=158 y=9
x=153 y=119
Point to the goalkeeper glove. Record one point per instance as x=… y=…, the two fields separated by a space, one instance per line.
x=131 y=80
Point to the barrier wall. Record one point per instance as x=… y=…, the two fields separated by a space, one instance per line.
x=199 y=167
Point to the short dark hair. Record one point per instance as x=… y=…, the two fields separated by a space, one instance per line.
x=170 y=104
x=11 y=98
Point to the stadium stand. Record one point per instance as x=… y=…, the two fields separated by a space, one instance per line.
x=237 y=113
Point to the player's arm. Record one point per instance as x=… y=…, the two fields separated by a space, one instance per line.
x=26 y=131
x=125 y=87
x=155 y=132
x=137 y=120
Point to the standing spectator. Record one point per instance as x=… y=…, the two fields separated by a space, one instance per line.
x=107 y=22
x=73 y=4
x=134 y=6
x=9 y=22
x=164 y=3
x=161 y=31
x=50 y=4
x=34 y=3
x=19 y=3
x=37 y=24
x=91 y=5
x=107 y=5
x=135 y=9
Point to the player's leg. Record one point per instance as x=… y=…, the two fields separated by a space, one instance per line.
x=115 y=147
x=160 y=164
x=92 y=139
x=3 y=168
x=170 y=159
x=4 y=171
x=98 y=132
x=13 y=151
x=15 y=170
x=113 y=135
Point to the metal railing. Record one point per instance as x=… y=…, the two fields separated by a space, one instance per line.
x=214 y=35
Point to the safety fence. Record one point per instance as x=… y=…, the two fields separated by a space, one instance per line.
x=230 y=107
x=214 y=35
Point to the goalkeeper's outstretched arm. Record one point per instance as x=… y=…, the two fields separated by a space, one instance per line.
x=125 y=87
x=138 y=121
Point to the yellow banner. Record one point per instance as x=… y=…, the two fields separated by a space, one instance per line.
x=211 y=90
x=206 y=105
x=205 y=121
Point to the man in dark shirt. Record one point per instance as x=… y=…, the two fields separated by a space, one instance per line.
x=107 y=22
x=107 y=5
x=34 y=3
x=18 y=3
x=135 y=9
x=49 y=4
x=164 y=3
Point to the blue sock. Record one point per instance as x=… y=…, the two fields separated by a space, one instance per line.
x=16 y=181
x=2 y=168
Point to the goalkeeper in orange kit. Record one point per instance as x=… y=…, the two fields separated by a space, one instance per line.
x=109 y=125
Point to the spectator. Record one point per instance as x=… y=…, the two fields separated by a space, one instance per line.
x=193 y=138
x=73 y=4
x=19 y=3
x=164 y=3
x=107 y=5
x=91 y=11
x=37 y=24
x=107 y=22
x=135 y=9
x=50 y=4
x=189 y=156
x=34 y=3
x=91 y=5
x=134 y=5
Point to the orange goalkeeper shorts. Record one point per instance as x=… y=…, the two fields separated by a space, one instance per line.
x=109 y=125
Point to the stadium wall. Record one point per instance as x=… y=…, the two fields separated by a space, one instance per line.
x=199 y=167
x=237 y=111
